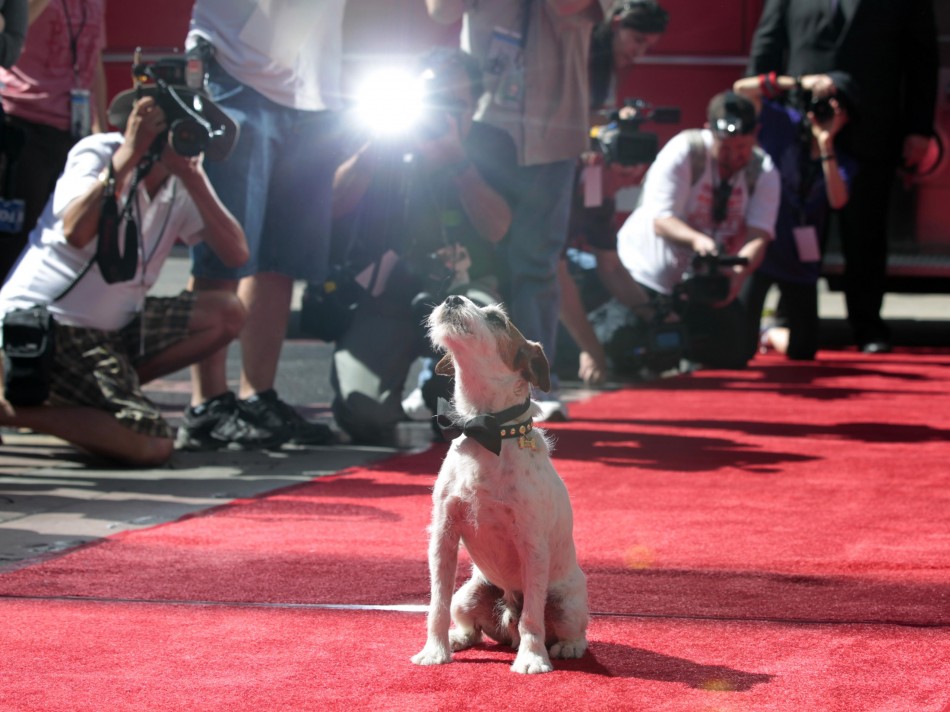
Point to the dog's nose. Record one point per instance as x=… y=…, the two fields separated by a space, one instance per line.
x=454 y=300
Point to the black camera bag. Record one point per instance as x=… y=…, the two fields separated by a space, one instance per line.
x=29 y=345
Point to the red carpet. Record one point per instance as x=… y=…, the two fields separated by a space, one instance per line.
x=777 y=538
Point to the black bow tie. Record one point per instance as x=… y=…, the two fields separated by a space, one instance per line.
x=486 y=429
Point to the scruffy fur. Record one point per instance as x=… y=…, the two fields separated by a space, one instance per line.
x=511 y=511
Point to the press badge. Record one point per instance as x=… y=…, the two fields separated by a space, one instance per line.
x=12 y=213
x=504 y=61
x=806 y=242
x=80 y=113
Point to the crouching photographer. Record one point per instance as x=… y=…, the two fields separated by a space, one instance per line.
x=710 y=195
x=414 y=221
x=80 y=334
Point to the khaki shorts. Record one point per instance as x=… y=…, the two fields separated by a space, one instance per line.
x=97 y=368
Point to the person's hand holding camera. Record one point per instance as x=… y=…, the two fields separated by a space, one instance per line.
x=444 y=149
x=146 y=123
x=703 y=244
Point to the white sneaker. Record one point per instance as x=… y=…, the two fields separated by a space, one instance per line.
x=414 y=406
x=552 y=411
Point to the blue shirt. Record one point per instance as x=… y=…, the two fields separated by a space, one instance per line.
x=804 y=199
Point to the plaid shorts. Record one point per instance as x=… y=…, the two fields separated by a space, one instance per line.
x=97 y=368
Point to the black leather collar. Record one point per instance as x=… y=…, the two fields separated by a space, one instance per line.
x=488 y=430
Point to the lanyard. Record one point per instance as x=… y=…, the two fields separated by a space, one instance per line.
x=74 y=36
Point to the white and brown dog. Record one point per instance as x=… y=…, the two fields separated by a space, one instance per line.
x=498 y=493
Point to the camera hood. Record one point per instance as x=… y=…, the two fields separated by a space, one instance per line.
x=224 y=131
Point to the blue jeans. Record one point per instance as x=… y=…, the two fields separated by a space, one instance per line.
x=277 y=183
x=541 y=207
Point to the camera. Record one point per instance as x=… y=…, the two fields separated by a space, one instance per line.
x=704 y=282
x=622 y=142
x=189 y=133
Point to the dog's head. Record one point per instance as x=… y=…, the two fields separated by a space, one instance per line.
x=489 y=357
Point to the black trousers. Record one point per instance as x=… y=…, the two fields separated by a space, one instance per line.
x=800 y=311
x=863 y=224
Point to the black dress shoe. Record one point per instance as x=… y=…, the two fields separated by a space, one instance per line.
x=876 y=347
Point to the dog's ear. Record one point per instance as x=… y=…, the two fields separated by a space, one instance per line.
x=533 y=364
x=445 y=366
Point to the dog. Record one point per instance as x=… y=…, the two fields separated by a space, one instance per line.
x=498 y=493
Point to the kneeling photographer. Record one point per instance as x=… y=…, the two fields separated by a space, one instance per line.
x=710 y=196
x=80 y=334
x=415 y=221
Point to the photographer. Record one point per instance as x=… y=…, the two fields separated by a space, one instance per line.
x=628 y=31
x=816 y=177
x=709 y=193
x=419 y=222
x=109 y=336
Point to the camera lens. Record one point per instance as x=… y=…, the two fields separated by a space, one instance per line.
x=188 y=137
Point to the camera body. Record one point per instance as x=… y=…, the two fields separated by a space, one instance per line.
x=622 y=142
x=704 y=282
x=189 y=133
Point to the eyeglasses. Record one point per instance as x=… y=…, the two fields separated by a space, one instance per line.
x=720 y=204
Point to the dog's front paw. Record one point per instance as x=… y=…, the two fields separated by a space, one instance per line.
x=566 y=649
x=529 y=663
x=432 y=654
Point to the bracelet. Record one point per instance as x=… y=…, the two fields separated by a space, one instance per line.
x=828 y=157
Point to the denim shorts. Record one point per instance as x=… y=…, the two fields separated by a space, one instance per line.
x=277 y=183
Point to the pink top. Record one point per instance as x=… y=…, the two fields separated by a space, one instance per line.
x=37 y=87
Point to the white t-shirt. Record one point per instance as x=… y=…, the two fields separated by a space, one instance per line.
x=48 y=264
x=291 y=52
x=668 y=190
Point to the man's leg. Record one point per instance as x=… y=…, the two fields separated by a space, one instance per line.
x=534 y=244
x=267 y=297
x=864 y=243
x=92 y=430
x=216 y=320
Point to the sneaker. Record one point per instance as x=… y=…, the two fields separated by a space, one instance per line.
x=267 y=413
x=197 y=430
x=415 y=408
x=552 y=411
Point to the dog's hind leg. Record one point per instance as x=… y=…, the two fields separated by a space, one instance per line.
x=476 y=608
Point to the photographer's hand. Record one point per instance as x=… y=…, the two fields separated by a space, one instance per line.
x=81 y=218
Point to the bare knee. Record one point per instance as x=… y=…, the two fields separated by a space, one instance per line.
x=151 y=452
x=221 y=310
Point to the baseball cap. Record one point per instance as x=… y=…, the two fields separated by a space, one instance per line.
x=730 y=114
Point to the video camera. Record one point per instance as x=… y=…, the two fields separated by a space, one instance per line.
x=189 y=132
x=622 y=142
x=704 y=282
x=640 y=347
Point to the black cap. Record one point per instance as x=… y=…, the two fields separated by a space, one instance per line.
x=224 y=128
x=730 y=114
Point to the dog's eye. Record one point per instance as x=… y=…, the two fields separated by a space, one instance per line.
x=495 y=319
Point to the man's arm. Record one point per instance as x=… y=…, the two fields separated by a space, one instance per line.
x=81 y=217
x=13 y=30
x=921 y=62
x=569 y=7
x=678 y=232
x=770 y=41
x=446 y=12
x=488 y=211
x=222 y=232
x=36 y=9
